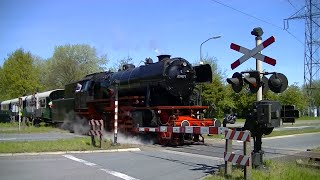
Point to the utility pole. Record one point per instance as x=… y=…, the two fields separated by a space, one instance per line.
x=311 y=14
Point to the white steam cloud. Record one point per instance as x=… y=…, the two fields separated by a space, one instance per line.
x=157 y=51
x=126 y=139
x=80 y=126
x=77 y=124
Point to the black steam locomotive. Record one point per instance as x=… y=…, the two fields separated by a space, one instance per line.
x=167 y=82
x=154 y=94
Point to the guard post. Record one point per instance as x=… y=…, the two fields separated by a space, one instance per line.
x=96 y=130
x=116 y=110
x=240 y=159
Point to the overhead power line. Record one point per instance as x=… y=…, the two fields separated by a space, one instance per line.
x=259 y=19
x=292 y=5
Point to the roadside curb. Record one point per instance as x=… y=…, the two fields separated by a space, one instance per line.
x=69 y=152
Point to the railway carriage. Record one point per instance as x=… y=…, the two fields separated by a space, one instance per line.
x=34 y=108
x=4 y=111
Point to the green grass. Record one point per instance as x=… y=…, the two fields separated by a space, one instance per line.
x=30 y=129
x=241 y=120
x=9 y=125
x=74 y=144
x=14 y=128
x=302 y=118
x=291 y=132
x=274 y=171
x=316 y=149
x=307 y=118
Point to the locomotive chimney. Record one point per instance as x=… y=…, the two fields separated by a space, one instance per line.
x=163 y=57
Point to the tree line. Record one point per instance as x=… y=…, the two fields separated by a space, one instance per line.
x=23 y=73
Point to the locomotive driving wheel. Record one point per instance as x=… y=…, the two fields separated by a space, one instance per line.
x=165 y=138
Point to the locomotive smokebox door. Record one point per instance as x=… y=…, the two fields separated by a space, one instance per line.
x=203 y=73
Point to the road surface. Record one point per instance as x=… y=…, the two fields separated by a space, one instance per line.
x=36 y=136
x=152 y=162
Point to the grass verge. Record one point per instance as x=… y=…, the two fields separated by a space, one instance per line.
x=74 y=144
x=14 y=128
x=30 y=129
x=292 y=132
x=307 y=118
x=316 y=149
x=274 y=170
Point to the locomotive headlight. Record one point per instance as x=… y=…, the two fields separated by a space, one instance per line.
x=159 y=111
x=184 y=64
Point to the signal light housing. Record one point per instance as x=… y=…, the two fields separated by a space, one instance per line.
x=253 y=80
x=236 y=82
x=278 y=83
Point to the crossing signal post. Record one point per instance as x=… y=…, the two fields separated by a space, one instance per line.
x=266 y=114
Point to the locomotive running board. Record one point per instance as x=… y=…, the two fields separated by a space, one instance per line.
x=203 y=73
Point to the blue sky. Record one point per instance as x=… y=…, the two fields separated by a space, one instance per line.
x=143 y=28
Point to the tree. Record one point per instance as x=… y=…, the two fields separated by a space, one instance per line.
x=293 y=95
x=19 y=76
x=215 y=94
x=2 y=93
x=316 y=93
x=243 y=101
x=71 y=63
x=118 y=65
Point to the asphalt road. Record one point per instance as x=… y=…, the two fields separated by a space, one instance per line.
x=152 y=162
x=155 y=164
x=36 y=136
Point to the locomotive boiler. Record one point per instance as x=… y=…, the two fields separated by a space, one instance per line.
x=161 y=93
x=170 y=81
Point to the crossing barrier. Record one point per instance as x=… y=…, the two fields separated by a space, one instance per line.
x=96 y=130
x=240 y=159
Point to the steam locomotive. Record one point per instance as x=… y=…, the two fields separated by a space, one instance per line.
x=153 y=95
x=161 y=93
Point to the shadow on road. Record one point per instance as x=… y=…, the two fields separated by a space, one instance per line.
x=193 y=166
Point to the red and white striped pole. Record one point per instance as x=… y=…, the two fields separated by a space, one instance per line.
x=116 y=112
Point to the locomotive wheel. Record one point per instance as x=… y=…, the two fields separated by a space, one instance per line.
x=165 y=138
x=177 y=139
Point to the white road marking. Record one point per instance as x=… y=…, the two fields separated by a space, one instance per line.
x=118 y=174
x=79 y=160
x=108 y=171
